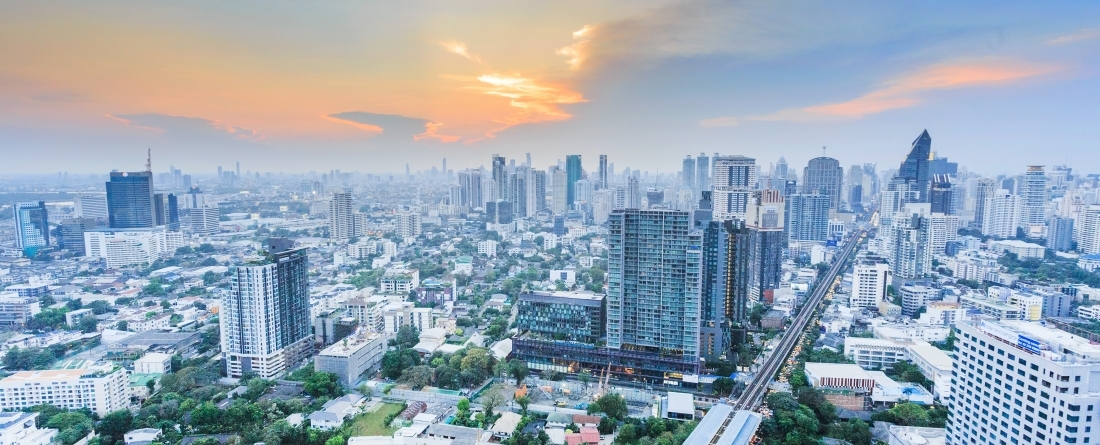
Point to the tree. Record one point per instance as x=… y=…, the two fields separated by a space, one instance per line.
x=323 y=384
x=394 y=362
x=114 y=426
x=905 y=414
x=72 y=425
x=613 y=405
x=523 y=402
x=518 y=370
x=585 y=377
x=416 y=377
x=492 y=398
x=88 y=324
x=122 y=325
x=607 y=425
x=723 y=385
x=407 y=336
x=74 y=304
x=154 y=288
x=210 y=277
x=756 y=315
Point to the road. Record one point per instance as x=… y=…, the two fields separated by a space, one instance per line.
x=756 y=388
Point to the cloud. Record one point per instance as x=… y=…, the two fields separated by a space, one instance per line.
x=393 y=126
x=724 y=121
x=906 y=91
x=578 y=52
x=535 y=100
x=460 y=49
x=187 y=127
x=60 y=96
x=1082 y=35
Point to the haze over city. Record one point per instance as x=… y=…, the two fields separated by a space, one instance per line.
x=371 y=87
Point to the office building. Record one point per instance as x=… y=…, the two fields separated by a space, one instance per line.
x=854 y=186
x=350 y=358
x=16 y=310
x=72 y=234
x=469 y=183
x=1001 y=215
x=101 y=389
x=915 y=169
x=654 y=274
x=910 y=246
x=633 y=193
x=942 y=195
x=32 y=227
x=734 y=182
x=166 y=209
x=560 y=203
x=572 y=175
x=984 y=189
x=807 y=217
x=536 y=194
x=602 y=184
x=131 y=247
x=721 y=275
x=90 y=206
x=1060 y=234
x=341 y=221
x=130 y=200
x=408 y=224
x=265 y=318
x=763 y=238
x=1023 y=383
x=942 y=229
x=870 y=278
x=570 y=316
x=825 y=176
x=205 y=221
x=914 y=297
x=519 y=193
x=500 y=179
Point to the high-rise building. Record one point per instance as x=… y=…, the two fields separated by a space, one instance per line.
x=1088 y=237
x=536 y=201
x=1034 y=196
x=90 y=206
x=341 y=221
x=916 y=169
x=984 y=189
x=166 y=209
x=942 y=229
x=517 y=186
x=854 y=193
x=702 y=173
x=603 y=173
x=807 y=217
x=633 y=193
x=469 y=182
x=204 y=220
x=734 y=182
x=870 y=278
x=408 y=224
x=265 y=318
x=941 y=195
x=910 y=242
x=72 y=234
x=1060 y=234
x=824 y=175
x=560 y=204
x=602 y=205
x=1001 y=215
x=781 y=169
x=32 y=226
x=572 y=175
x=130 y=200
x=1022 y=382
x=654 y=274
x=688 y=174
x=763 y=239
x=500 y=179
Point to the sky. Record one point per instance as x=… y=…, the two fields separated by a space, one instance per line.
x=87 y=87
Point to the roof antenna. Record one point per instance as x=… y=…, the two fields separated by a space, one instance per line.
x=149 y=160
x=822 y=151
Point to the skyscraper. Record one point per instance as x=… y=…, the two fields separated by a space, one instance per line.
x=716 y=278
x=734 y=181
x=500 y=179
x=983 y=191
x=559 y=205
x=32 y=227
x=1060 y=234
x=341 y=222
x=763 y=238
x=265 y=318
x=91 y=206
x=1088 y=237
x=941 y=195
x=824 y=175
x=166 y=209
x=537 y=192
x=854 y=193
x=72 y=234
x=517 y=186
x=1022 y=382
x=654 y=274
x=603 y=172
x=470 y=195
x=807 y=217
x=1034 y=196
x=910 y=242
x=633 y=193
x=702 y=173
x=688 y=175
x=573 y=174
x=915 y=169
x=1001 y=215
x=781 y=169
x=130 y=200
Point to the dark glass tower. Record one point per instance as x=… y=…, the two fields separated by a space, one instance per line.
x=32 y=227
x=916 y=169
x=572 y=175
x=130 y=200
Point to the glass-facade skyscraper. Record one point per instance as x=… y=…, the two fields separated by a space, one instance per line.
x=572 y=175
x=916 y=169
x=130 y=200
x=654 y=282
x=31 y=225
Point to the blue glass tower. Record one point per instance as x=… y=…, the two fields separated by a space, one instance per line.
x=130 y=200
x=31 y=226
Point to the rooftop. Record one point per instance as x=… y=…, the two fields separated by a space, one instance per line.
x=573 y=297
x=1036 y=338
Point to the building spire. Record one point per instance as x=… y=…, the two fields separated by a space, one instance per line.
x=149 y=160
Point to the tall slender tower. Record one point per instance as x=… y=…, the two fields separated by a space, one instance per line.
x=824 y=175
x=734 y=182
x=915 y=168
x=573 y=174
x=603 y=172
x=130 y=200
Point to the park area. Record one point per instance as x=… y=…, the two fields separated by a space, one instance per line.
x=374 y=423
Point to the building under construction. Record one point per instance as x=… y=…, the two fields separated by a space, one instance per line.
x=623 y=364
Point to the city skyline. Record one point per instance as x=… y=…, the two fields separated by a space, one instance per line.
x=313 y=87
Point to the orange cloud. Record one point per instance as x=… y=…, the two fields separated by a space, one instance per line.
x=430 y=130
x=535 y=100
x=359 y=125
x=579 y=51
x=906 y=91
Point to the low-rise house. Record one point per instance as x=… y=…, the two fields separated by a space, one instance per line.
x=142 y=436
